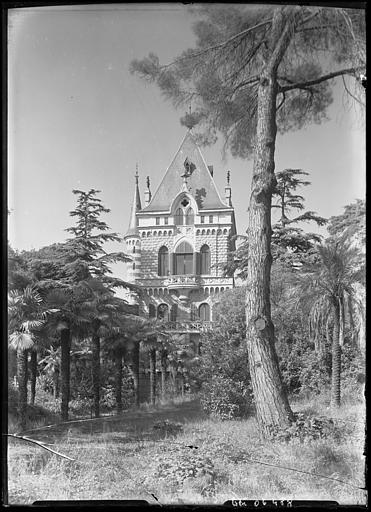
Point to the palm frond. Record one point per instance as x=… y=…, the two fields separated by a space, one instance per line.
x=21 y=340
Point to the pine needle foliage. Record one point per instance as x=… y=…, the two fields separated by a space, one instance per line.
x=291 y=245
x=221 y=74
x=85 y=252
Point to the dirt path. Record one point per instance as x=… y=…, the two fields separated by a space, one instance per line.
x=131 y=422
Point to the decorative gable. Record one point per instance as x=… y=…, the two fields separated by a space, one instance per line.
x=188 y=164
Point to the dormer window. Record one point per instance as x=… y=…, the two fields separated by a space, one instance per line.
x=184 y=214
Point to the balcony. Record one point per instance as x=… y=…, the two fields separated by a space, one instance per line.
x=183 y=281
x=188 y=326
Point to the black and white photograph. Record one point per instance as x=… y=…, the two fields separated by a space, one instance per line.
x=185 y=237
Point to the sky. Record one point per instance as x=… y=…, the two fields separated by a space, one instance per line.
x=77 y=119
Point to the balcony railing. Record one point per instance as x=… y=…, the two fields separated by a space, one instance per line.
x=183 y=281
x=183 y=326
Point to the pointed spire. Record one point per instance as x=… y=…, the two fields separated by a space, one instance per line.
x=136 y=207
x=228 y=190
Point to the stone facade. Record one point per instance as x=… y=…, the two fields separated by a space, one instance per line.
x=185 y=224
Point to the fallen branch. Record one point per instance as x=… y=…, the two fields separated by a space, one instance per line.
x=39 y=444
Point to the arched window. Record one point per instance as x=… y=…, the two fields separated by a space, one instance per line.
x=190 y=217
x=163 y=312
x=179 y=217
x=173 y=312
x=204 y=312
x=151 y=311
x=184 y=259
x=205 y=259
x=163 y=261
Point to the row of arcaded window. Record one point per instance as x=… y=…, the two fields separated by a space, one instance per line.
x=181 y=217
x=184 y=260
x=162 y=312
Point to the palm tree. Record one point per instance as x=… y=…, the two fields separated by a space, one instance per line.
x=327 y=286
x=33 y=373
x=109 y=315
x=70 y=319
x=26 y=314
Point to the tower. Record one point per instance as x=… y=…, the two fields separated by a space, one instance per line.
x=181 y=236
x=132 y=238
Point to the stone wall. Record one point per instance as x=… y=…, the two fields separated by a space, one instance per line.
x=217 y=242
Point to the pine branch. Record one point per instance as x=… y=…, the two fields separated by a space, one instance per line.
x=323 y=78
x=219 y=45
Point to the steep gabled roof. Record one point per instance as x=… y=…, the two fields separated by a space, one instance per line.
x=200 y=182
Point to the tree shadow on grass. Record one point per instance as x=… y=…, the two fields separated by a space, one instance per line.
x=128 y=427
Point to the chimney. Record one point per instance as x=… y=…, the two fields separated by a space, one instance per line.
x=211 y=169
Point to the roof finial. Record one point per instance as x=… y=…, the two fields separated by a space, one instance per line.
x=147 y=193
x=136 y=173
x=228 y=190
x=189 y=120
x=185 y=176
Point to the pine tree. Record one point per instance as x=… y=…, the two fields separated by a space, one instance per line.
x=291 y=245
x=89 y=264
x=255 y=71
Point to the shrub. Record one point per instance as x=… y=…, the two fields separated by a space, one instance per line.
x=352 y=372
x=36 y=415
x=81 y=406
x=225 y=398
x=315 y=372
x=308 y=428
x=178 y=469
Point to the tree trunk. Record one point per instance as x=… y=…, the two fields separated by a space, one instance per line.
x=152 y=375
x=182 y=383
x=118 y=381
x=65 y=372
x=163 y=373
x=22 y=387
x=336 y=359
x=136 y=383
x=173 y=373
x=272 y=407
x=56 y=383
x=12 y=364
x=341 y=322
x=328 y=336
x=96 y=371
x=33 y=368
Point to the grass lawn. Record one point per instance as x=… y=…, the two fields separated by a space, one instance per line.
x=190 y=459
